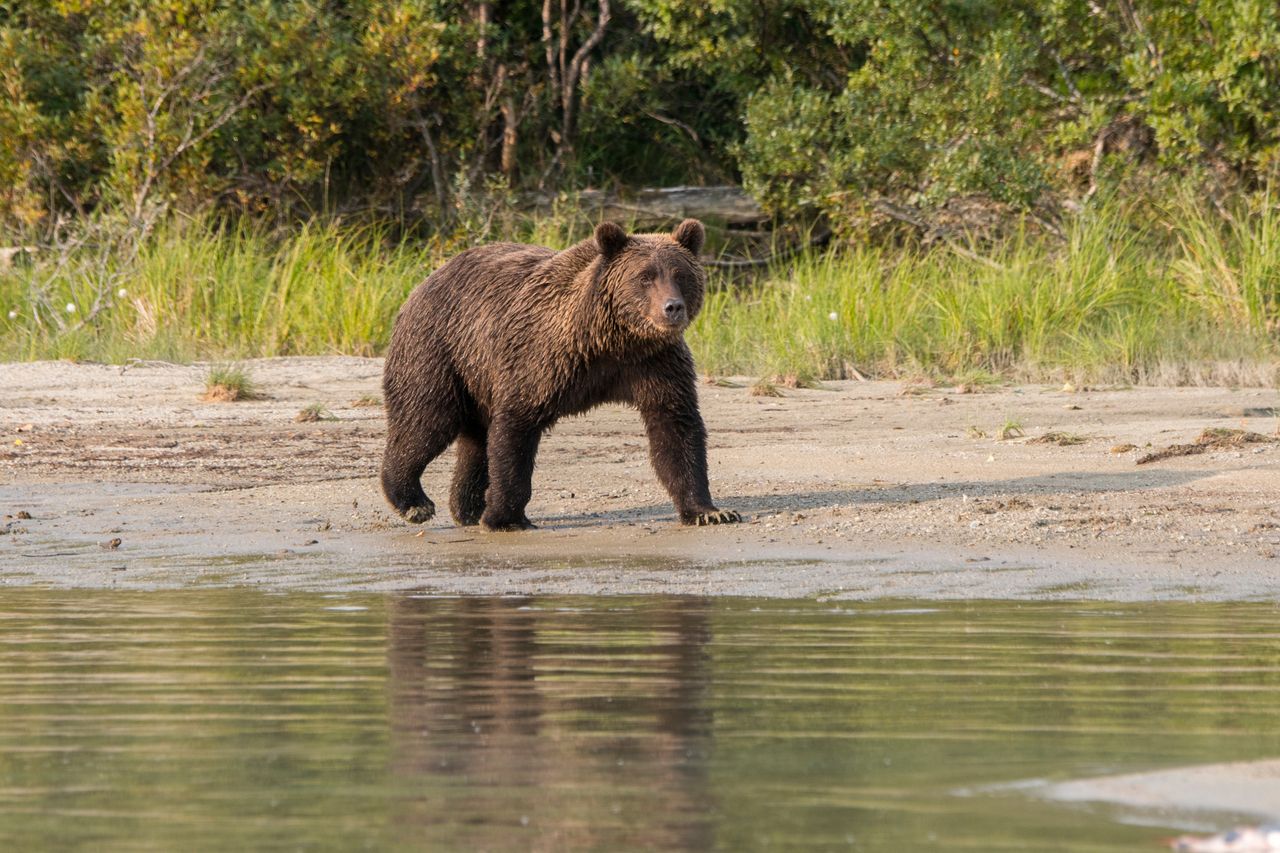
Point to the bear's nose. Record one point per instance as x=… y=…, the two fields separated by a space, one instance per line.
x=674 y=309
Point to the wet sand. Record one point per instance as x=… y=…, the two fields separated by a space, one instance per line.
x=854 y=490
x=1246 y=789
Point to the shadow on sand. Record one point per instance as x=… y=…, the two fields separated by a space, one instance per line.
x=1082 y=482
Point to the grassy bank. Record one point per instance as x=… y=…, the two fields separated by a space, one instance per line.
x=1168 y=295
x=195 y=291
x=1180 y=298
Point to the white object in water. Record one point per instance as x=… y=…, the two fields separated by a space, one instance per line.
x=1245 y=839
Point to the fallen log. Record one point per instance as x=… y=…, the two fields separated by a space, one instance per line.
x=653 y=207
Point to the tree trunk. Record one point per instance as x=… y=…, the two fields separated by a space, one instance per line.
x=510 y=122
x=565 y=71
x=552 y=68
x=482 y=21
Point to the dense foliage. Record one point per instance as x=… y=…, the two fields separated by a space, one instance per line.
x=421 y=106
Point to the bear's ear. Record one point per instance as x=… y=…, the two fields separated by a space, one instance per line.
x=610 y=238
x=690 y=234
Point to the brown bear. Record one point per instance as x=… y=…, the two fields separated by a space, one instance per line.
x=505 y=339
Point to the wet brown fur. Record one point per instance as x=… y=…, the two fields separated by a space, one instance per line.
x=503 y=340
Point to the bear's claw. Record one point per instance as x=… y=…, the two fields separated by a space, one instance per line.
x=419 y=514
x=508 y=526
x=719 y=516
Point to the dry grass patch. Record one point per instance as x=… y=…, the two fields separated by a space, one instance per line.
x=1214 y=438
x=764 y=388
x=314 y=412
x=1061 y=439
x=796 y=380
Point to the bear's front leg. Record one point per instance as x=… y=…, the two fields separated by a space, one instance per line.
x=668 y=401
x=512 y=447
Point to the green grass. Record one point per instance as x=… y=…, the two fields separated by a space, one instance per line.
x=1177 y=301
x=1168 y=295
x=227 y=383
x=199 y=291
x=1011 y=429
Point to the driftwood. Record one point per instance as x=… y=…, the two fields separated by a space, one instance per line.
x=649 y=208
x=819 y=239
x=658 y=208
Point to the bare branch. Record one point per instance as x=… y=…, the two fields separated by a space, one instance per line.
x=1048 y=92
x=189 y=140
x=573 y=73
x=675 y=122
x=1066 y=78
x=592 y=42
x=546 y=42
x=911 y=217
x=437 y=167
x=482 y=23
x=190 y=136
x=1134 y=22
x=564 y=39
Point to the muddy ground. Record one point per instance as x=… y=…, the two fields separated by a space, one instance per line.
x=853 y=490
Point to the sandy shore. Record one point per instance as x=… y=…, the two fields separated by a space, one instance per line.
x=855 y=490
x=1246 y=789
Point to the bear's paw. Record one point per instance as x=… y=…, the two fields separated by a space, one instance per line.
x=502 y=525
x=718 y=516
x=419 y=514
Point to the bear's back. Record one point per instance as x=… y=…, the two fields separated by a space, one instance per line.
x=471 y=290
x=482 y=312
x=492 y=270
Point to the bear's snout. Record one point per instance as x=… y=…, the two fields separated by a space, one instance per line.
x=674 y=310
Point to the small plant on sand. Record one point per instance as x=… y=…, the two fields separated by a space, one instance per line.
x=1011 y=429
x=1062 y=439
x=798 y=380
x=764 y=388
x=227 y=383
x=975 y=381
x=368 y=401
x=312 y=413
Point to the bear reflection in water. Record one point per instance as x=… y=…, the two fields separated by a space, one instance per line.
x=508 y=719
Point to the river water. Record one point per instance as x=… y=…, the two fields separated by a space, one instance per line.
x=236 y=719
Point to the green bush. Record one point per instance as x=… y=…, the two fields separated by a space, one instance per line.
x=415 y=108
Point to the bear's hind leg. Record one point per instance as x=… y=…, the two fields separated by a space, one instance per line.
x=409 y=448
x=470 y=477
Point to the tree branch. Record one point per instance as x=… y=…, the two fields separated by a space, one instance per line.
x=573 y=72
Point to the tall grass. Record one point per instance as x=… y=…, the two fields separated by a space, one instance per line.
x=1172 y=295
x=198 y=290
x=1178 y=299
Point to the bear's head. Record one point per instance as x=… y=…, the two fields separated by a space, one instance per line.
x=655 y=280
